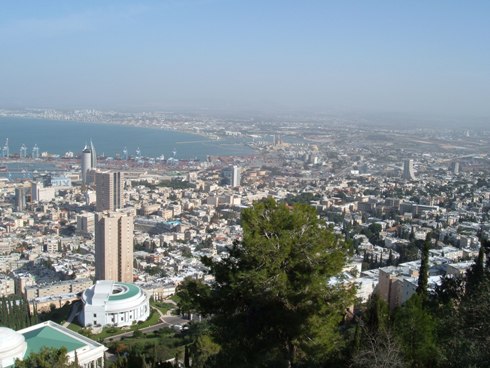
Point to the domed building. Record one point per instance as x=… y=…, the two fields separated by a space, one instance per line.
x=114 y=303
x=18 y=345
x=12 y=346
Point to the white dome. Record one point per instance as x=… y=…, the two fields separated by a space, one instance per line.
x=12 y=346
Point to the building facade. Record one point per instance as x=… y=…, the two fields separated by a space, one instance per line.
x=408 y=171
x=110 y=190
x=114 y=246
x=20 y=198
x=114 y=303
x=86 y=164
x=19 y=344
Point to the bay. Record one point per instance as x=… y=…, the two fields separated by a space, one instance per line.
x=59 y=137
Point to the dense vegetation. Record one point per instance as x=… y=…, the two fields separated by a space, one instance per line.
x=277 y=301
x=271 y=305
x=173 y=184
x=48 y=358
x=15 y=314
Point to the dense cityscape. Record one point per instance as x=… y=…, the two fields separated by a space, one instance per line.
x=244 y=184
x=142 y=226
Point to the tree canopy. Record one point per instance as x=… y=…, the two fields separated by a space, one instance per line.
x=47 y=358
x=275 y=300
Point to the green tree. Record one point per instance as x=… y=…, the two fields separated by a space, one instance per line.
x=189 y=292
x=416 y=329
x=201 y=350
x=476 y=273
x=377 y=314
x=271 y=303
x=424 y=269
x=47 y=358
x=375 y=345
x=464 y=329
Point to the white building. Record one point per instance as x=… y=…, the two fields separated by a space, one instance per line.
x=41 y=194
x=18 y=345
x=114 y=303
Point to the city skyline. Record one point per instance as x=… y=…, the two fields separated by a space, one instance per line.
x=425 y=58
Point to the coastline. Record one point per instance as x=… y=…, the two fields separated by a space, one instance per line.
x=108 y=122
x=62 y=136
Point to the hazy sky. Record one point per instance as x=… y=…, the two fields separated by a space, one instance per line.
x=428 y=57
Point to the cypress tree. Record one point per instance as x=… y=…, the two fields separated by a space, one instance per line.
x=390 y=259
x=476 y=274
x=424 y=269
x=186 y=357
x=357 y=337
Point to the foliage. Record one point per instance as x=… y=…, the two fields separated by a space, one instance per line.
x=416 y=329
x=380 y=350
x=424 y=269
x=271 y=303
x=15 y=313
x=189 y=292
x=303 y=198
x=374 y=343
x=47 y=358
x=150 y=350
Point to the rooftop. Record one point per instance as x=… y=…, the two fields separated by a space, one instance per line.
x=49 y=337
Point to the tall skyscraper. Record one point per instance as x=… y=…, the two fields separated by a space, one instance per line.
x=231 y=176
x=89 y=161
x=93 y=158
x=235 y=176
x=20 y=198
x=109 y=190
x=455 y=167
x=408 y=171
x=114 y=246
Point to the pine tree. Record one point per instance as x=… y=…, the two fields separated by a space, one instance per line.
x=424 y=269
x=475 y=275
x=268 y=301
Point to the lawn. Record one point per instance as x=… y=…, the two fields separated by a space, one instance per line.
x=162 y=307
x=162 y=344
x=112 y=331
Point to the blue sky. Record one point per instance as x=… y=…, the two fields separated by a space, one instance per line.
x=423 y=57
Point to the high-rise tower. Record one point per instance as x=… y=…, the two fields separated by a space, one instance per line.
x=114 y=246
x=231 y=176
x=235 y=176
x=455 y=167
x=86 y=164
x=89 y=161
x=93 y=157
x=20 y=198
x=408 y=171
x=109 y=190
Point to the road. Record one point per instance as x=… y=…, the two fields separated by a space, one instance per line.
x=167 y=321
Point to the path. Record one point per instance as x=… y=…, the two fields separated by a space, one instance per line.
x=75 y=309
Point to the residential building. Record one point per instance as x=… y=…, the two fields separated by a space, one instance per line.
x=114 y=246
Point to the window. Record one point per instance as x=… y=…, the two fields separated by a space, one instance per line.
x=95 y=315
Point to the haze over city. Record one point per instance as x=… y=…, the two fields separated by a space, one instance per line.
x=245 y=184
x=425 y=58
